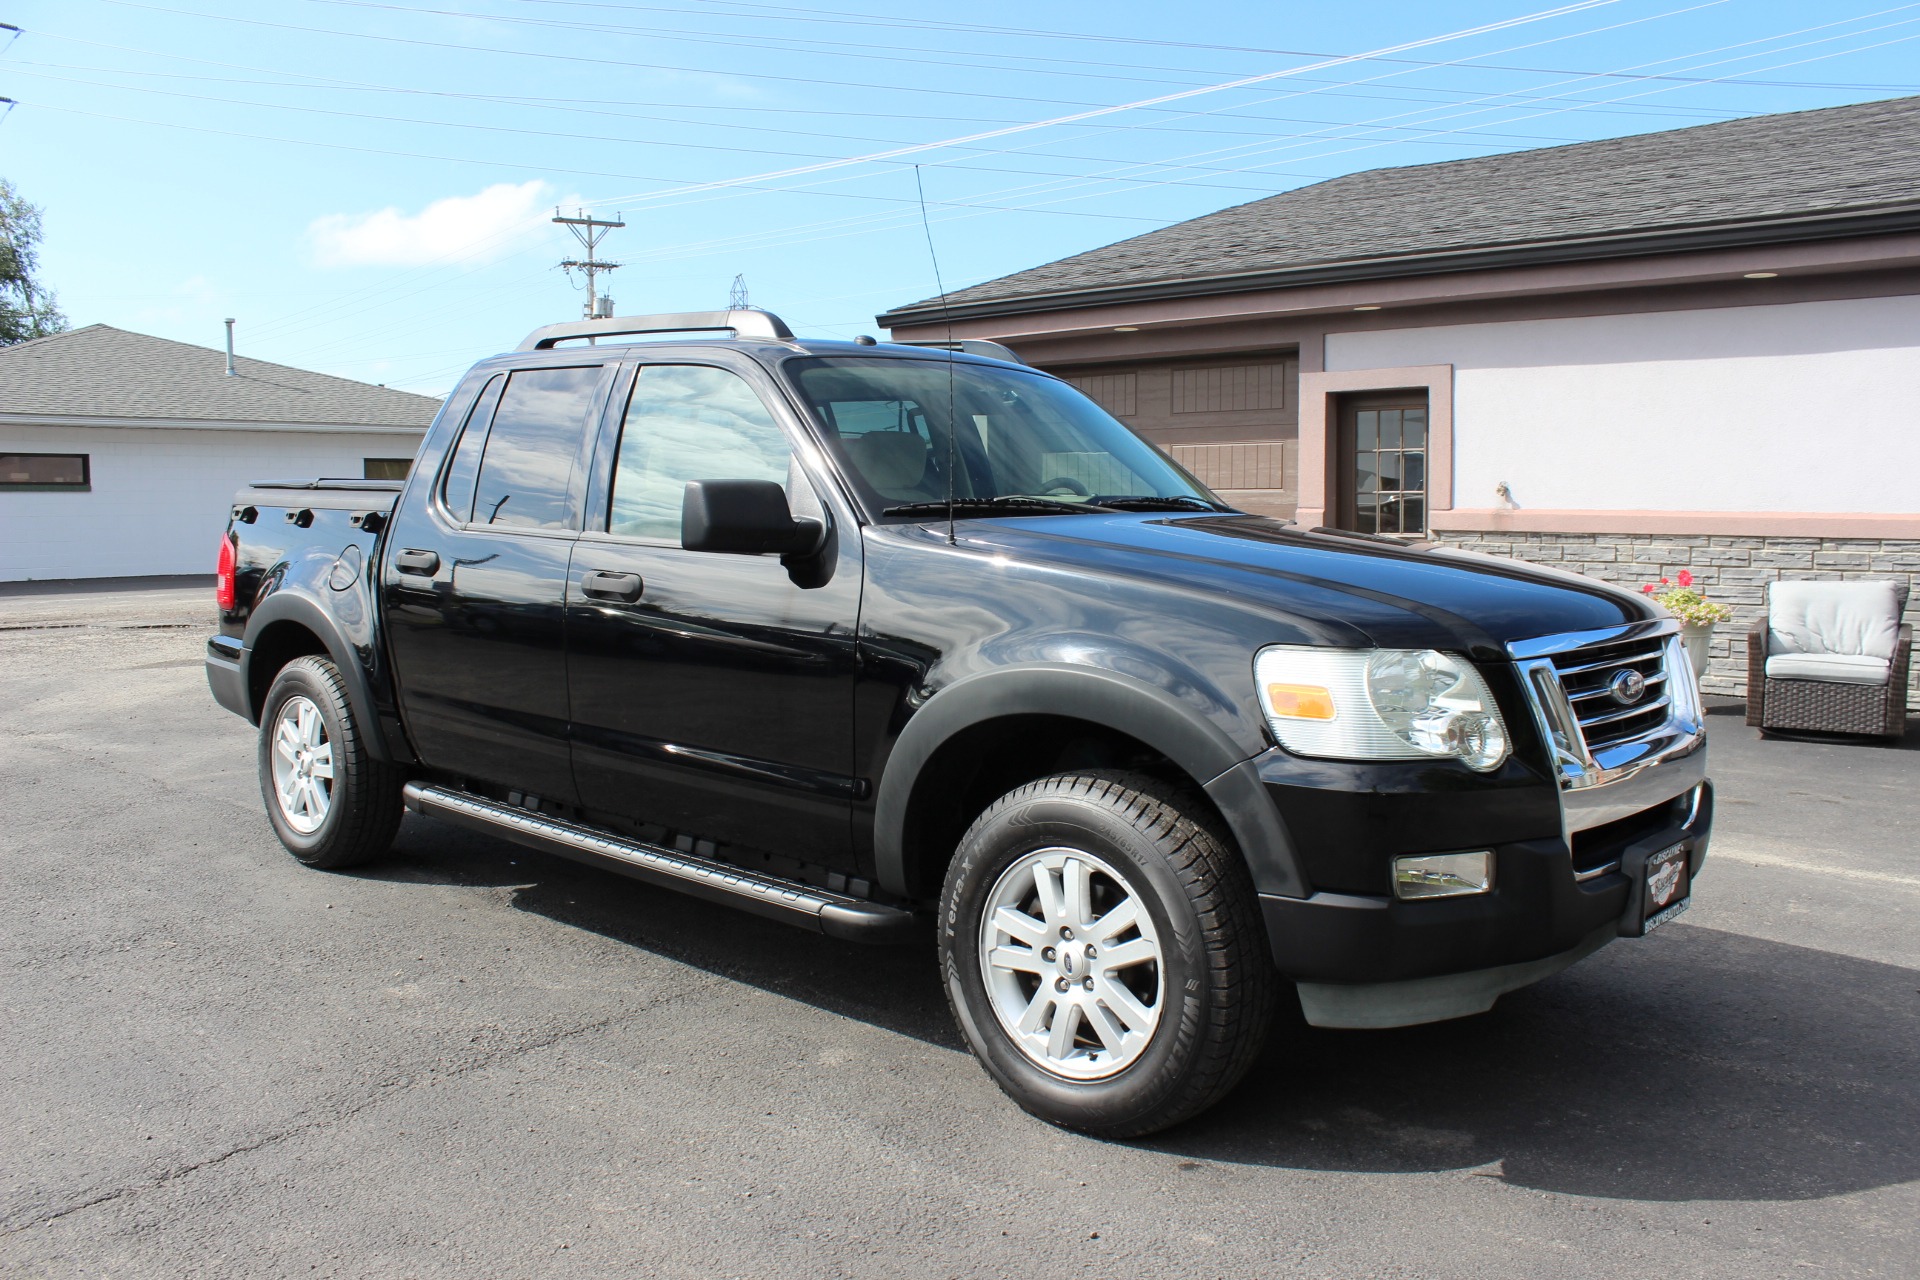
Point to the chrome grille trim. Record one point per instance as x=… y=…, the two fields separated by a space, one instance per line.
x=1638 y=709
x=1545 y=646
x=1651 y=655
x=1608 y=772
x=1603 y=691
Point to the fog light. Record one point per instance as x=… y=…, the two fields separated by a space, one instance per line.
x=1442 y=875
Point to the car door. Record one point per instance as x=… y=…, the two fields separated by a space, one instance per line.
x=712 y=693
x=476 y=584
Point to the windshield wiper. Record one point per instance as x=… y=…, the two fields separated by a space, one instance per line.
x=1009 y=505
x=1122 y=502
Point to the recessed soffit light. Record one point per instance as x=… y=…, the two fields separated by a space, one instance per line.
x=1372 y=306
x=1126 y=328
x=1762 y=275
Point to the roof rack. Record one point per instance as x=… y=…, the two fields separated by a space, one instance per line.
x=743 y=324
x=968 y=346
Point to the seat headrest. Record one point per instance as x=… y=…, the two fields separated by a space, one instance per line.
x=891 y=461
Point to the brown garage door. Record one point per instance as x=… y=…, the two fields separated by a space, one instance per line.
x=1234 y=421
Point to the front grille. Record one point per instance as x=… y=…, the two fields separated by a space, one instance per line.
x=1588 y=674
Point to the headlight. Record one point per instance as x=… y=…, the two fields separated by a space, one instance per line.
x=1379 y=704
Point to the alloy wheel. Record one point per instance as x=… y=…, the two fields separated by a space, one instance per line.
x=302 y=765
x=1072 y=963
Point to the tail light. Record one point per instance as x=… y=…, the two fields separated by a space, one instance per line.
x=223 y=583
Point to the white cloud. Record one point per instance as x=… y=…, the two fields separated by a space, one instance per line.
x=458 y=225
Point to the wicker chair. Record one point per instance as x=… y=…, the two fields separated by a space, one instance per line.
x=1830 y=657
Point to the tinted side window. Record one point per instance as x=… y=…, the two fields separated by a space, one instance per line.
x=456 y=486
x=527 y=471
x=689 y=422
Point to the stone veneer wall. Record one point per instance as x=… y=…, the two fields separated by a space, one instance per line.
x=1731 y=570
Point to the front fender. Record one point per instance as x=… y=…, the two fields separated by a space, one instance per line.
x=1139 y=710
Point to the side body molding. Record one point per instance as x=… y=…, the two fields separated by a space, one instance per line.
x=1135 y=708
x=293 y=605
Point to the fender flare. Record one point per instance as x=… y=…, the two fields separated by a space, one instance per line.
x=292 y=605
x=1222 y=767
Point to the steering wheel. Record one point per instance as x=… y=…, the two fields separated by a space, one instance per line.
x=1065 y=484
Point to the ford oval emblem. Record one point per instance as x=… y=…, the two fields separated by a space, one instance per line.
x=1627 y=687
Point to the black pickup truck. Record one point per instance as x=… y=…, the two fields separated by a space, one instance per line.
x=866 y=636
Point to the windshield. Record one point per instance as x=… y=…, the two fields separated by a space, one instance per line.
x=1020 y=436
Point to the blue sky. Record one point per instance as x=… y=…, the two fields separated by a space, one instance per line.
x=367 y=186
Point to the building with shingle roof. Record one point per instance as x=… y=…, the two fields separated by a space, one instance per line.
x=1698 y=349
x=120 y=452
x=1763 y=180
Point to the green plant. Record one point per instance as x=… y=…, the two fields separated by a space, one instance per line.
x=1685 y=602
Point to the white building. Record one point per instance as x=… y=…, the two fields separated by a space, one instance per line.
x=120 y=453
x=1697 y=349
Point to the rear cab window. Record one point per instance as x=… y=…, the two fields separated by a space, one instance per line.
x=515 y=465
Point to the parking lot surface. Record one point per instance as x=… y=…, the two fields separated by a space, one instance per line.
x=474 y=1060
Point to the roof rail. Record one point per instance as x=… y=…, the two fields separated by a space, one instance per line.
x=751 y=323
x=969 y=346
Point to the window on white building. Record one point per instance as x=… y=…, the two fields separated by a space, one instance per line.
x=386 y=468
x=45 y=471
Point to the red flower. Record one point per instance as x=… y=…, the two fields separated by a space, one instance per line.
x=1666 y=582
x=1686 y=578
x=1646 y=589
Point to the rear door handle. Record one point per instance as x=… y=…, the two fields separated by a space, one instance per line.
x=417 y=562
x=604 y=585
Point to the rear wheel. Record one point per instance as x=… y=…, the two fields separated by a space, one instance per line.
x=1104 y=953
x=331 y=803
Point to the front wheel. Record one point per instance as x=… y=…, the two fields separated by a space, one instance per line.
x=331 y=803
x=1104 y=953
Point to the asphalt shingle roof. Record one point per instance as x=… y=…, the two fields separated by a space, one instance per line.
x=100 y=371
x=1762 y=168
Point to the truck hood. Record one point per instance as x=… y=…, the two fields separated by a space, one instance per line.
x=1340 y=589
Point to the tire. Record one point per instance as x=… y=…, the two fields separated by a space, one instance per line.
x=1201 y=1005
x=326 y=822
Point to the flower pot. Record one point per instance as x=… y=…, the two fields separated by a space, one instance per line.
x=1697 y=636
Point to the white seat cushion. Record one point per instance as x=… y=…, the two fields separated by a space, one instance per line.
x=1852 y=619
x=1841 y=668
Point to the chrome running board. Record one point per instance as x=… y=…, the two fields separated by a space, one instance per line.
x=819 y=910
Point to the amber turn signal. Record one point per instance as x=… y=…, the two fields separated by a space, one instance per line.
x=1300 y=701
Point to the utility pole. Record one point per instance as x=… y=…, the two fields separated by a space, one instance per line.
x=737 y=296
x=590 y=232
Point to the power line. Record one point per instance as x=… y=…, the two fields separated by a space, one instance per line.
x=1334 y=89
x=1083 y=179
x=841 y=18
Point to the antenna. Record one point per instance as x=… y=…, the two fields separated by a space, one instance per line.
x=946 y=314
x=590 y=232
x=737 y=295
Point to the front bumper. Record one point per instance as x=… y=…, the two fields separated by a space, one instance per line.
x=1362 y=960
x=1569 y=841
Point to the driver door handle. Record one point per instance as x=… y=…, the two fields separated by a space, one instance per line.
x=417 y=562
x=603 y=584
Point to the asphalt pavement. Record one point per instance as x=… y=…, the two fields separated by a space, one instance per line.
x=474 y=1060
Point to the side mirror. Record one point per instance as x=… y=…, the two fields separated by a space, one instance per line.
x=747 y=517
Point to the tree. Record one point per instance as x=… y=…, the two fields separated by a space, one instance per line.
x=26 y=310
